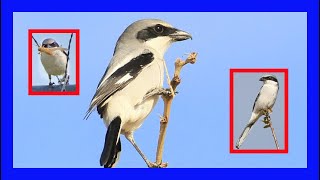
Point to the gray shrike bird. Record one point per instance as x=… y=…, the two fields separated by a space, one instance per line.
x=132 y=83
x=55 y=63
x=263 y=103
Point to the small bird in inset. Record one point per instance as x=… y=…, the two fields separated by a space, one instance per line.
x=262 y=105
x=54 y=62
x=132 y=83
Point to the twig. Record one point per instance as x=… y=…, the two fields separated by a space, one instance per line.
x=46 y=50
x=167 y=106
x=168 y=78
x=66 y=71
x=274 y=136
x=36 y=41
x=267 y=121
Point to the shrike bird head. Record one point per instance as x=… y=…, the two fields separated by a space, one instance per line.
x=49 y=43
x=153 y=33
x=269 y=79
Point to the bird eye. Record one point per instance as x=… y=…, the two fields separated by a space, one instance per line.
x=158 y=29
x=54 y=44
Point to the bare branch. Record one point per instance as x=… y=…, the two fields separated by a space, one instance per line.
x=36 y=41
x=267 y=121
x=167 y=105
x=66 y=77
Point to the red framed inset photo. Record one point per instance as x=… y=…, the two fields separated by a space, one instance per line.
x=259 y=110
x=53 y=62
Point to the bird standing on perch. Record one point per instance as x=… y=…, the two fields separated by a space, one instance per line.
x=54 y=60
x=123 y=97
x=262 y=105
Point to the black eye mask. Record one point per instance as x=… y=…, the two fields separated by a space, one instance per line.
x=54 y=44
x=155 y=31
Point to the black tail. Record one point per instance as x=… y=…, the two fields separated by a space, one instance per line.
x=112 y=146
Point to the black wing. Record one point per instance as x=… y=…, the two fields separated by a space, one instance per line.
x=111 y=85
x=255 y=101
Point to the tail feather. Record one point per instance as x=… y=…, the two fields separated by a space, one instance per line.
x=112 y=144
x=245 y=132
x=116 y=152
x=243 y=135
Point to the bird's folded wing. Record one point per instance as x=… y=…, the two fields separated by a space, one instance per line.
x=118 y=80
x=255 y=101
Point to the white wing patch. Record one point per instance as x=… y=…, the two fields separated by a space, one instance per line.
x=124 y=79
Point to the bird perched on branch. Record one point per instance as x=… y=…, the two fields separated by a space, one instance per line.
x=132 y=83
x=54 y=60
x=262 y=105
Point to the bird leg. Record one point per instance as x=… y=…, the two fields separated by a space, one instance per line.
x=150 y=164
x=50 y=83
x=64 y=80
x=266 y=119
x=59 y=80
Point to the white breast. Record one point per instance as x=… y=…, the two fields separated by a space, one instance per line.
x=54 y=64
x=267 y=98
x=127 y=102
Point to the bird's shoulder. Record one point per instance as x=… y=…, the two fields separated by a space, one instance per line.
x=119 y=75
x=123 y=59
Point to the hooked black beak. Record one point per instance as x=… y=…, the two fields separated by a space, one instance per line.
x=261 y=79
x=180 y=35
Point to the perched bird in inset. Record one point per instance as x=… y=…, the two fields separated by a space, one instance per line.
x=263 y=103
x=54 y=62
x=132 y=83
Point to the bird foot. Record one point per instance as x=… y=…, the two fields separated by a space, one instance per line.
x=155 y=165
x=167 y=92
x=51 y=83
x=158 y=91
x=266 y=121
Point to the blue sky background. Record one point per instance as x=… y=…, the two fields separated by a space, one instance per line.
x=49 y=131
x=40 y=76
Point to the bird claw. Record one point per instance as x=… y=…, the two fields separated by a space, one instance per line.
x=266 y=121
x=167 y=92
x=51 y=83
x=158 y=91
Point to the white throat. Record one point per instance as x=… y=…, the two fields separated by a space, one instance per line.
x=159 y=44
x=271 y=82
